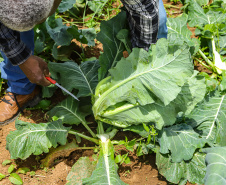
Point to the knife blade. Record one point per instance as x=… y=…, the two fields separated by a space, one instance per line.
x=61 y=87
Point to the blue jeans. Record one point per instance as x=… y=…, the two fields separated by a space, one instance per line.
x=162 y=32
x=17 y=81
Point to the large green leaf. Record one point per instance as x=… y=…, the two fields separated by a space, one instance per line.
x=63 y=34
x=66 y=5
x=222 y=44
x=68 y=111
x=216 y=166
x=181 y=140
x=90 y=35
x=144 y=85
x=83 y=168
x=178 y=173
x=198 y=17
x=113 y=48
x=97 y=5
x=106 y=169
x=178 y=33
x=192 y=93
x=58 y=31
x=36 y=139
x=71 y=76
x=210 y=118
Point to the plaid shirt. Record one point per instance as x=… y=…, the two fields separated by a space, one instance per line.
x=143 y=21
x=11 y=45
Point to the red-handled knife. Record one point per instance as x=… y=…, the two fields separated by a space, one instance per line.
x=65 y=90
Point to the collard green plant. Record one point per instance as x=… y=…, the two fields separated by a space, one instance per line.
x=133 y=94
x=53 y=36
x=48 y=135
x=156 y=88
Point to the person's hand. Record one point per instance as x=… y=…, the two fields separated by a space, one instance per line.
x=36 y=69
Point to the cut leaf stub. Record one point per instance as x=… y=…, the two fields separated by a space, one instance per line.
x=106 y=169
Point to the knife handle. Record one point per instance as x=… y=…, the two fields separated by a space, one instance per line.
x=50 y=79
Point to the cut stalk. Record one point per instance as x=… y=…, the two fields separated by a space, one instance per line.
x=206 y=59
x=204 y=64
x=84 y=136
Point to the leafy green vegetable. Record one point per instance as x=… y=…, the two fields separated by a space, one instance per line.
x=178 y=173
x=134 y=91
x=123 y=35
x=181 y=140
x=106 y=169
x=113 y=48
x=178 y=33
x=22 y=143
x=69 y=112
x=159 y=87
x=209 y=118
x=97 y=5
x=216 y=165
x=56 y=37
x=58 y=31
x=211 y=83
x=211 y=17
x=90 y=35
x=71 y=76
x=222 y=44
x=65 y=5
x=192 y=93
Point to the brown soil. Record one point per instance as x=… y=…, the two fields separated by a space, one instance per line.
x=141 y=170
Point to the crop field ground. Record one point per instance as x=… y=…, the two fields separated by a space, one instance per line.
x=136 y=165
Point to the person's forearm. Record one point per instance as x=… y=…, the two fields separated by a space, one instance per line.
x=11 y=45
